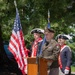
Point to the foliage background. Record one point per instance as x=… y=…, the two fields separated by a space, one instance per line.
x=33 y=13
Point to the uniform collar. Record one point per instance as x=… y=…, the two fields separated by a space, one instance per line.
x=63 y=46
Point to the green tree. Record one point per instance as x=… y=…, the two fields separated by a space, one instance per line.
x=33 y=13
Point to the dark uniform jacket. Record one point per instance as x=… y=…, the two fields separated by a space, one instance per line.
x=50 y=51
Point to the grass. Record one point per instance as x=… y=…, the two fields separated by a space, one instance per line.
x=72 y=68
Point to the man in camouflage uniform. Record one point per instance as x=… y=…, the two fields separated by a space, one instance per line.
x=50 y=51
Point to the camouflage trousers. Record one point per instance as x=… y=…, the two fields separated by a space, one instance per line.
x=53 y=71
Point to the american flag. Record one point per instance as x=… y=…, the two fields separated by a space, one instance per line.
x=17 y=46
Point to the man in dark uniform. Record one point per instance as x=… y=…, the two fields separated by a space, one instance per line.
x=65 y=56
x=50 y=51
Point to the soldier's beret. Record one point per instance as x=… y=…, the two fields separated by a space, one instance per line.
x=49 y=30
x=37 y=30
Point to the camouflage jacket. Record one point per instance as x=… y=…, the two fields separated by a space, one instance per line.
x=51 y=52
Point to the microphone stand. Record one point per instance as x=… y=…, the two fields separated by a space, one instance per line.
x=38 y=60
x=38 y=64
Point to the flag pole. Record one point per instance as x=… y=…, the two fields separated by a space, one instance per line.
x=16 y=6
x=15 y=3
x=48 y=19
x=17 y=12
x=48 y=16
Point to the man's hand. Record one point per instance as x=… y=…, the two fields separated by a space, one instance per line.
x=66 y=71
x=40 y=56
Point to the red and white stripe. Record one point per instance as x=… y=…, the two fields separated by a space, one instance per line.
x=18 y=49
